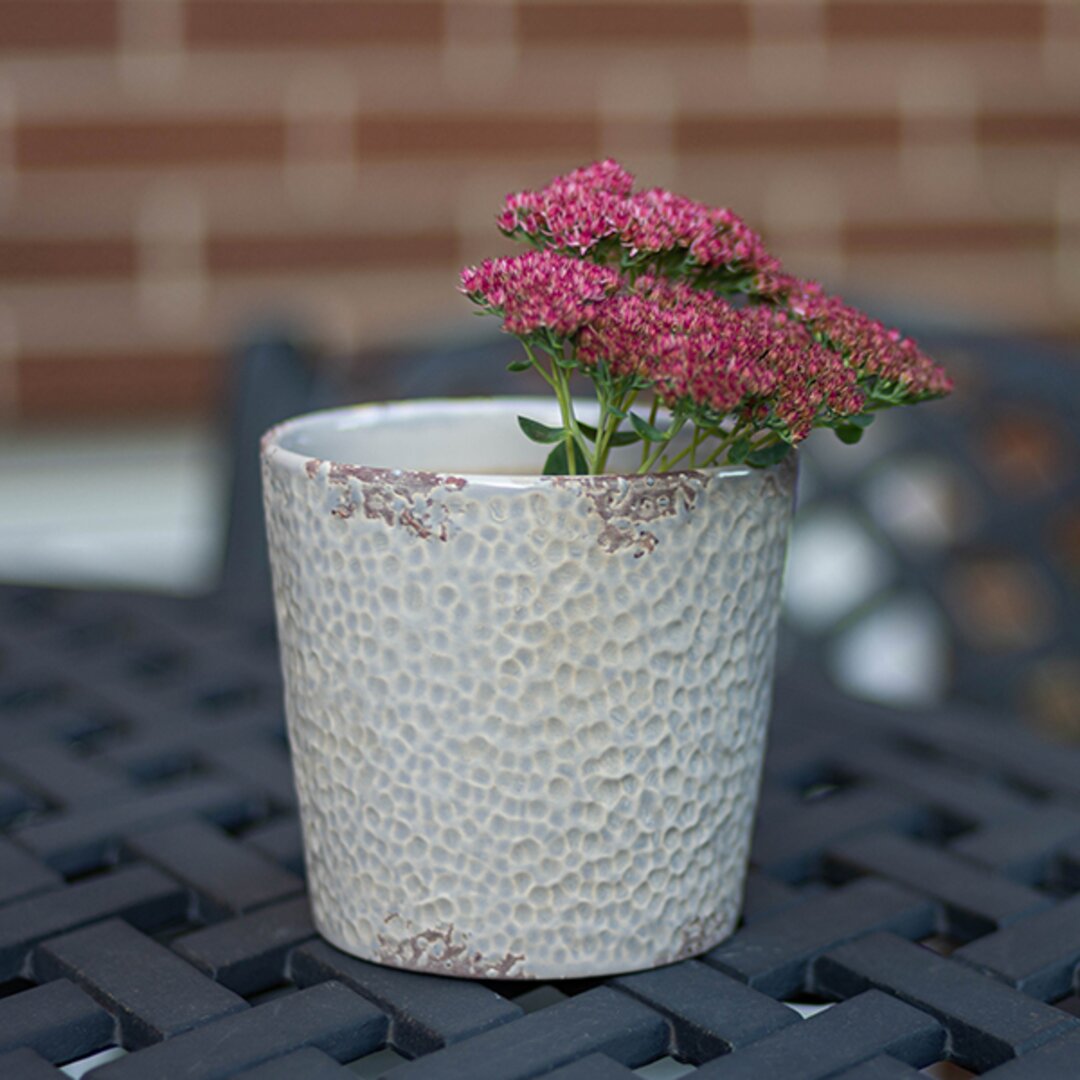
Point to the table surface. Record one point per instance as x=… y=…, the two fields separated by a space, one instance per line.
x=919 y=874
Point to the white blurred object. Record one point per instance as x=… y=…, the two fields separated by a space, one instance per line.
x=916 y=501
x=833 y=565
x=897 y=654
x=892 y=650
x=806 y=1010
x=136 y=508
x=77 y=1069
x=666 y=1068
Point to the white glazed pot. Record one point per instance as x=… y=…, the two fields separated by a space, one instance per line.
x=527 y=713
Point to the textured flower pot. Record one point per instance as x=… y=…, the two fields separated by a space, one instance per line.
x=527 y=714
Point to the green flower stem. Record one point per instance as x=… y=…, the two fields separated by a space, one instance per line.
x=562 y=392
x=714 y=457
x=764 y=439
x=691 y=450
x=558 y=380
x=607 y=431
x=724 y=445
x=667 y=464
x=652 y=459
x=700 y=435
x=537 y=365
x=575 y=436
x=652 y=422
x=602 y=421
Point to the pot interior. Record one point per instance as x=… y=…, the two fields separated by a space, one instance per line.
x=477 y=436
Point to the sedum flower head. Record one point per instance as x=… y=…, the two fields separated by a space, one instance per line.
x=703 y=355
x=867 y=345
x=650 y=290
x=574 y=213
x=711 y=238
x=539 y=291
x=593 y=212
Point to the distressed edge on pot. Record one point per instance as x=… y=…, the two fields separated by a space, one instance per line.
x=624 y=502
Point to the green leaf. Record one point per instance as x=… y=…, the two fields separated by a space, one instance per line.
x=647 y=431
x=619 y=438
x=550 y=348
x=540 y=433
x=518 y=365
x=768 y=455
x=738 y=450
x=848 y=433
x=863 y=420
x=557 y=463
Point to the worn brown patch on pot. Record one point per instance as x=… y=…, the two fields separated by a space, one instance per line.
x=627 y=506
x=399 y=499
x=345 y=508
x=445 y=950
x=694 y=937
x=268 y=441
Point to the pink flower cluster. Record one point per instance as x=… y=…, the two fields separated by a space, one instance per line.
x=812 y=380
x=704 y=355
x=866 y=344
x=594 y=211
x=686 y=343
x=713 y=237
x=628 y=284
x=574 y=213
x=540 y=291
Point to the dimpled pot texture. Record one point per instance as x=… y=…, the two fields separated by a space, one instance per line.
x=527 y=713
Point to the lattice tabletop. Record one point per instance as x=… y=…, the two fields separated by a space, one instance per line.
x=918 y=875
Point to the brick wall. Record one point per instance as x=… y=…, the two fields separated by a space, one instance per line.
x=170 y=169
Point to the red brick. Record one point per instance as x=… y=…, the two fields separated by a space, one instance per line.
x=606 y=25
x=777 y=131
x=915 y=236
x=145 y=143
x=929 y=20
x=50 y=257
x=110 y=385
x=1029 y=127
x=1005 y=287
x=252 y=24
x=52 y=24
x=455 y=135
x=329 y=251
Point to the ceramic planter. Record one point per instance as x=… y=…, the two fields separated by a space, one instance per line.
x=527 y=714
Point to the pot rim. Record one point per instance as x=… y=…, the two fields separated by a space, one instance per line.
x=369 y=414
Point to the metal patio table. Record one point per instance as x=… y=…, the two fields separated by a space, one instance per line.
x=917 y=873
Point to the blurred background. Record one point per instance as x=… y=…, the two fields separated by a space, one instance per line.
x=177 y=175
